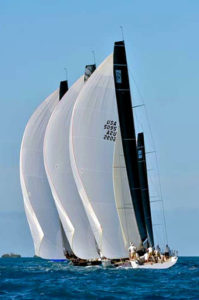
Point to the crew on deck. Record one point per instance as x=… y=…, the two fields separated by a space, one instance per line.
x=149 y=255
x=132 y=251
x=167 y=252
x=157 y=253
x=150 y=251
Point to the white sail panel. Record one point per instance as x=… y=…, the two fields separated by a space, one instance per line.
x=92 y=133
x=39 y=205
x=123 y=197
x=61 y=180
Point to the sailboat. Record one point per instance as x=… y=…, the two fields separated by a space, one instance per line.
x=108 y=162
x=83 y=172
x=42 y=216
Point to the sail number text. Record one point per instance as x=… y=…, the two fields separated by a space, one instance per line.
x=110 y=130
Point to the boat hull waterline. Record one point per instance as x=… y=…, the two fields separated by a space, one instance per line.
x=129 y=264
x=151 y=265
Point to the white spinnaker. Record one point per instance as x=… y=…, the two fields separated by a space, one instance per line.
x=123 y=197
x=39 y=205
x=92 y=158
x=61 y=180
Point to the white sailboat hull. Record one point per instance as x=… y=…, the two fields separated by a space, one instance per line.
x=165 y=265
x=106 y=263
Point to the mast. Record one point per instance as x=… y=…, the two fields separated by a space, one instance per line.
x=127 y=128
x=144 y=186
x=63 y=88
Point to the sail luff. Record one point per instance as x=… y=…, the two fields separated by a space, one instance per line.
x=144 y=186
x=127 y=128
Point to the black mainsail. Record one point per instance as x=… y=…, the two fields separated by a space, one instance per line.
x=144 y=186
x=63 y=88
x=127 y=129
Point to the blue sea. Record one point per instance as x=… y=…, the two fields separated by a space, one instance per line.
x=33 y=278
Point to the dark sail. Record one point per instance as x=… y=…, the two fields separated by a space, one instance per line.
x=144 y=186
x=63 y=88
x=127 y=128
x=89 y=69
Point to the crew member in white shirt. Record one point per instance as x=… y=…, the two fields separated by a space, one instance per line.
x=132 y=251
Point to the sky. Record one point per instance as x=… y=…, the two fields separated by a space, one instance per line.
x=42 y=37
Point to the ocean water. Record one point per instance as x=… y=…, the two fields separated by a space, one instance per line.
x=33 y=278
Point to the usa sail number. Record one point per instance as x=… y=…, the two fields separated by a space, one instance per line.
x=110 y=128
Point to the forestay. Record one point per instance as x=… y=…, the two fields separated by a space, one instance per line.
x=93 y=130
x=39 y=204
x=61 y=180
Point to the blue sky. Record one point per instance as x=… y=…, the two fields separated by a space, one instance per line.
x=41 y=37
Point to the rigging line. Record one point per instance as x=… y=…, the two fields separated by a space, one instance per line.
x=149 y=152
x=150 y=170
x=152 y=139
x=155 y=201
x=152 y=178
x=121 y=160
x=122 y=31
x=163 y=209
x=141 y=96
x=139 y=105
x=163 y=213
x=94 y=58
x=138 y=125
x=153 y=181
x=153 y=185
x=66 y=73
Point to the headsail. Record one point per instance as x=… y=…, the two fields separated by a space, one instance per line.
x=127 y=129
x=39 y=204
x=58 y=168
x=93 y=130
x=144 y=187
